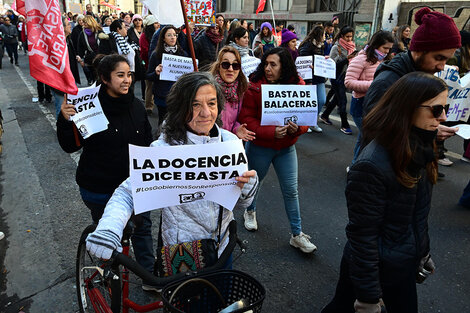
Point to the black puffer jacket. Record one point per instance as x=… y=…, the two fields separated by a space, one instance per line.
x=387 y=222
x=104 y=163
x=307 y=49
x=206 y=51
x=385 y=76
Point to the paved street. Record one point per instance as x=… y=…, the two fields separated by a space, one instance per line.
x=42 y=216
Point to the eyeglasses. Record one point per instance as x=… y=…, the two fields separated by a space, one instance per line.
x=437 y=109
x=235 y=66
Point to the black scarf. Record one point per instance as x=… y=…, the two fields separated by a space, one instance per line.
x=421 y=144
x=113 y=105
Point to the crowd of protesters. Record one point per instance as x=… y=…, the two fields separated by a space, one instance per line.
x=393 y=163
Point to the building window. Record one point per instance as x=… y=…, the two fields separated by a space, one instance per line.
x=137 y=7
x=235 y=5
x=278 y=5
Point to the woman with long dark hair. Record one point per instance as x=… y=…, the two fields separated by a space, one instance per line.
x=227 y=72
x=313 y=45
x=275 y=144
x=104 y=161
x=360 y=75
x=168 y=44
x=388 y=195
x=343 y=50
x=402 y=39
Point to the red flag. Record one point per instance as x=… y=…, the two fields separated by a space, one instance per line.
x=20 y=7
x=261 y=5
x=47 y=47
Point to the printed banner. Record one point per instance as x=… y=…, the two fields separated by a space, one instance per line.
x=458 y=97
x=176 y=175
x=303 y=65
x=249 y=65
x=47 y=48
x=284 y=103
x=174 y=66
x=90 y=118
x=324 y=67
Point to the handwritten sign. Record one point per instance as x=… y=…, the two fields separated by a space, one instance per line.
x=175 y=66
x=303 y=66
x=249 y=65
x=284 y=103
x=90 y=118
x=201 y=12
x=324 y=67
x=458 y=97
x=177 y=175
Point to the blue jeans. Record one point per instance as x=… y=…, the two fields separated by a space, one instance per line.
x=57 y=102
x=285 y=165
x=356 y=113
x=142 y=236
x=321 y=96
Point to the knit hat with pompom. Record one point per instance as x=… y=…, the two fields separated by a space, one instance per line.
x=436 y=31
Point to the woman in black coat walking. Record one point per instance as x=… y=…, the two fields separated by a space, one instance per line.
x=104 y=162
x=388 y=194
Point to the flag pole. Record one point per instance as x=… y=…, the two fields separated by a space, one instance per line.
x=272 y=12
x=188 y=34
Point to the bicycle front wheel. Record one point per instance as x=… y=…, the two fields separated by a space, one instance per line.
x=95 y=293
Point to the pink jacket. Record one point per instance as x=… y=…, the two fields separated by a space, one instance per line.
x=229 y=116
x=360 y=75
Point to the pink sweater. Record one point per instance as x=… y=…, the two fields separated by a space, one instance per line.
x=229 y=116
x=360 y=75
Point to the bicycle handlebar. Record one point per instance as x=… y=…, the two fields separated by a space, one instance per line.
x=159 y=282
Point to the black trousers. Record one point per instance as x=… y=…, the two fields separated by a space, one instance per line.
x=398 y=284
x=44 y=92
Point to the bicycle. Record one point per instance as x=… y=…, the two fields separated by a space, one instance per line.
x=103 y=286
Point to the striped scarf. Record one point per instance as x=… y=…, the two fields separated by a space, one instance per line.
x=123 y=44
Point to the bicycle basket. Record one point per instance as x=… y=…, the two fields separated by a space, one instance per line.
x=194 y=295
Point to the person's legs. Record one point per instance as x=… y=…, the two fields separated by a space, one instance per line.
x=40 y=89
x=321 y=96
x=330 y=105
x=47 y=93
x=96 y=210
x=149 y=95
x=58 y=99
x=343 y=301
x=15 y=52
x=356 y=113
x=142 y=88
x=285 y=165
x=340 y=94
x=259 y=159
x=161 y=114
x=9 y=51
x=142 y=241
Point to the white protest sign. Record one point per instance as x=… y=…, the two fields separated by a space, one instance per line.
x=106 y=29
x=249 y=65
x=176 y=175
x=90 y=118
x=458 y=97
x=464 y=131
x=284 y=103
x=174 y=66
x=303 y=66
x=324 y=67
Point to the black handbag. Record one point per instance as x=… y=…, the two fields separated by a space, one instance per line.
x=187 y=256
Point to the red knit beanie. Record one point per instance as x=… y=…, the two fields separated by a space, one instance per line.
x=436 y=31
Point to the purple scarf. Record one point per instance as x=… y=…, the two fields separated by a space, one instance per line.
x=91 y=39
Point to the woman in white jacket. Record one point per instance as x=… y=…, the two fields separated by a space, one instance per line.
x=194 y=105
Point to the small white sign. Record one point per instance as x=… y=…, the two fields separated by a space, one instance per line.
x=458 y=96
x=175 y=66
x=177 y=175
x=90 y=118
x=106 y=29
x=284 y=103
x=249 y=65
x=303 y=65
x=464 y=131
x=324 y=67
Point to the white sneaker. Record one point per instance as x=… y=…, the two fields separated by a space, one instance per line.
x=445 y=162
x=250 y=220
x=2 y=235
x=309 y=130
x=316 y=129
x=303 y=243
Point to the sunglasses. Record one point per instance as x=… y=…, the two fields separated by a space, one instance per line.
x=437 y=109
x=235 y=66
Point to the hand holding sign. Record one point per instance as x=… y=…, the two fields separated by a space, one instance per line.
x=458 y=96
